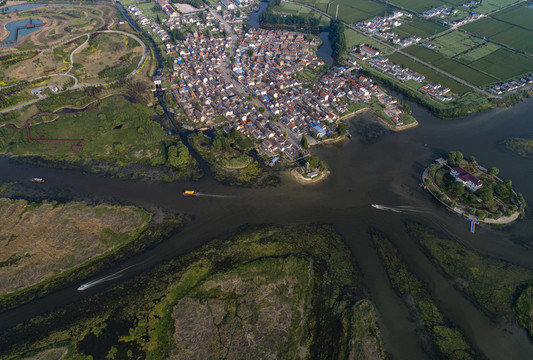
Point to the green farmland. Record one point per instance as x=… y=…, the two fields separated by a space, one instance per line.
x=353 y=38
x=518 y=15
x=417 y=5
x=430 y=74
x=454 y=43
x=419 y=27
x=502 y=32
x=349 y=10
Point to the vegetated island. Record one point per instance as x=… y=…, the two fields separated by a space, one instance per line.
x=473 y=191
x=262 y=292
x=520 y=146
x=47 y=246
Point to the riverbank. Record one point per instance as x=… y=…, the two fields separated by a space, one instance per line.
x=306 y=181
x=298 y=281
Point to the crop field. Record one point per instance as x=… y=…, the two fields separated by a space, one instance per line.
x=349 y=10
x=504 y=64
x=353 y=38
x=117 y=130
x=430 y=74
x=455 y=42
x=491 y=5
x=451 y=66
x=478 y=52
x=293 y=9
x=519 y=15
x=417 y=5
x=418 y=27
x=503 y=32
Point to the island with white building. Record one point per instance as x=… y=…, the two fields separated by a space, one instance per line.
x=473 y=191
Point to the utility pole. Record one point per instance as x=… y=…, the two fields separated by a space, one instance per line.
x=337 y=13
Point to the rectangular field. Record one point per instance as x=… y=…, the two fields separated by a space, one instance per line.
x=519 y=15
x=504 y=64
x=491 y=5
x=419 y=27
x=353 y=38
x=503 y=32
x=465 y=72
x=430 y=74
x=350 y=11
x=455 y=42
x=478 y=52
x=417 y=5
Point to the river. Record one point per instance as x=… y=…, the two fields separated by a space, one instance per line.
x=386 y=172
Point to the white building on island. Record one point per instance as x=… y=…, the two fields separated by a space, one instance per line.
x=471 y=182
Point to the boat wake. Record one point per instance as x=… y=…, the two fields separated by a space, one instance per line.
x=403 y=209
x=214 y=195
x=110 y=277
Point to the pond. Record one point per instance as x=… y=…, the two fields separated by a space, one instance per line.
x=20 y=28
x=19 y=7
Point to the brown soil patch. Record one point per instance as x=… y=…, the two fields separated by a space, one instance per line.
x=39 y=241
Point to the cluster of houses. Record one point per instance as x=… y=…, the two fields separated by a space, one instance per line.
x=442 y=11
x=197 y=73
x=437 y=91
x=471 y=17
x=471 y=4
x=364 y=52
x=145 y=21
x=511 y=85
x=383 y=64
x=381 y=27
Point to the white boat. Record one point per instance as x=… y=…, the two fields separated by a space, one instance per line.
x=84 y=286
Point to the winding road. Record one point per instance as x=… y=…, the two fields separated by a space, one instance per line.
x=76 y=86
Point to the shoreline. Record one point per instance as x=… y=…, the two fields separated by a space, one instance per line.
x=385 y=122
x=304 y=181
x=502 y=220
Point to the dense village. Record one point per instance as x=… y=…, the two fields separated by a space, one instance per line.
x=251 y=82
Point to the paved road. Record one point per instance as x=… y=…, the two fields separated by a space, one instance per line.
x=76 y=86
x=459 y=80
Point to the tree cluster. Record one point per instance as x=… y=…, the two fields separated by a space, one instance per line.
x=337 y=39
x=455 y=157
x=178 y=156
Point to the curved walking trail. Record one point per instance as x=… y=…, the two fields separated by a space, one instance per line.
x=76 y=86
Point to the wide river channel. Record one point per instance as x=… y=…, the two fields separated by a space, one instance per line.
x=387 y=172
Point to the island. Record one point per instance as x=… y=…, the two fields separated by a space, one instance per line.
x=473 y=191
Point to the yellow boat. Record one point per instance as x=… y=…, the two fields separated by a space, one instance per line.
x=189 y=193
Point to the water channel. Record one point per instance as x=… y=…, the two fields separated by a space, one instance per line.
x=386 y=171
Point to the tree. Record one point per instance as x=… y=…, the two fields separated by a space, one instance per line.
x=485 y=192
x=342 y=128
x=304 y=142
x=159 y=110
x=178 y=156
x=494 y=170
x=261 y=109
x=457 y=188
x=458 y=157
x=158 y=19
x=472 y=159
x=452 y=156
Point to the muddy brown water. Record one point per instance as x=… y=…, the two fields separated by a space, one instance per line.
x=383 y=171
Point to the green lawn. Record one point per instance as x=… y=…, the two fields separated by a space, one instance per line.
x=353 y=38
x=455 y=42
x=478 y=52
x=118 y=130
x=419 y=27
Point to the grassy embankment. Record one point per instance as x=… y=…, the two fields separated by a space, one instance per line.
x=520 y=146
x=118 y=133
x=229 y=287
x=228 y=156
x=448 y=341
x=492 y=284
